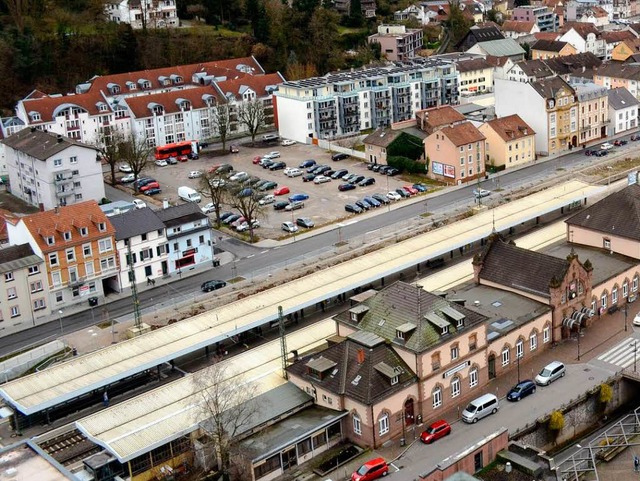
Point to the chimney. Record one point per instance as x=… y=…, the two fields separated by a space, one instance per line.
x=165 y=203
x=56 y=209
x=59 y=138
x=33 y=129
x=360 y=356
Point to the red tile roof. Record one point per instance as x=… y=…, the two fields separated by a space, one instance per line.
x=72 y=217
x=443 y=115
x=547 y=35
x=517 y=26
x=46 y=106
x=139 y=106
x=463 y=134
x=6 y=216
x=618 y=36
x=257 y=83
x=582 y=28
x=511 y=127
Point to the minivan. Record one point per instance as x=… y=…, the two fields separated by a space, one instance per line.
x=373 y=469
x=270 y=137
x=552 y=371
x=480 y=408
x=188 y=194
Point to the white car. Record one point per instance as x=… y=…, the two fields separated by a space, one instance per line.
x=245 y=226
x=478 y=193
x=271 y=155
x=293 y=172
x=289 y=227
x=125 y=168
x=393 y=196
x=238 y=176
x=286 y=142
x=267 y=199
x=321 y=179
x=209 y=208
x=194 y=174
x=161 y=163
x=128 y=178
x=139 y=204
x=606 y=146
x=636 y=320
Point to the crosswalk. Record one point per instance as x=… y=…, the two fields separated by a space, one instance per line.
x=622 y=354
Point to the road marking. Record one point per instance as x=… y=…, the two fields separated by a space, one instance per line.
x=264 y=252
x=249 y=257
x=396 y=467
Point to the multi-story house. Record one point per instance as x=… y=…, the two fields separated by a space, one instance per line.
x=476 y=77
x=48 y=170
x=398 y=42
x=544 y=49
x=595 y=15
x=344 y=7
x=345 y=103
x=478 y=34
x=623 y=111
x=549 y=106
x=615 y=75
x=436 y=118
x=456 y=154
x=141 y=242
x=515 y=29
x=143 y=13
x=510 y=142
x=419 y=12
x=77 y=243
x=585 y=37
x=543 y=17
x=189 y=237
x=593 y=105
x=529 y=71
x=23 y=289
x=625 y=49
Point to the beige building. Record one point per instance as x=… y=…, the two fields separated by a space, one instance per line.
x=593 y=111
x=544 y=49
x=398 y=42
x=476 y=77
x=375 y=145
x=510 y=142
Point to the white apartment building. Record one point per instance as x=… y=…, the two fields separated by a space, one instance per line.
x=48 y=170
x=623 y=110
x=140 y=240
x=345 y=103
x=143 y=13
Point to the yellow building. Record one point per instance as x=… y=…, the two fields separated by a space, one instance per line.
x=625 y=49
x=593 y=108
x=476 y=77
x=544 y=49
x=510 y=142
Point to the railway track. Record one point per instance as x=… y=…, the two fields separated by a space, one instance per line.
x=69 y=447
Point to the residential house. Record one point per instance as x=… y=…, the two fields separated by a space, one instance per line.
x=419 y=12
x=477 y=34
x=623 y=111
x=615 y=74
x=77 y=243
x=189 y=236
x=578 y=65
x=614 y=38
x=476 y=77
x=347 y=102
x=544 y=49
x=23 y=295
x=375 y=145
x=515 y=29
x=141 y=242
x=436 y=118
x=585 y=37
x=510 y=142
x=625 y=49
x=544 y=17
x=398 y=42
x=456 y=154
x=368 y=7
x=529 y=71
x=499 y=48
x=49 y=170
x=593 y=106
x=139 y=14
x=501 y=65
x=549 y=106
x=596 y=15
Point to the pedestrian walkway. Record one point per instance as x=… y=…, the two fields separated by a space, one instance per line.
x=623 y=354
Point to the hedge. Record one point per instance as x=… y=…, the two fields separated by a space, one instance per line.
x=407 y=165
x=406 y=145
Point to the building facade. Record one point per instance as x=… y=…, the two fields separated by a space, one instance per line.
x=143 y=14
x=510 y=142
x=48 y=170
x=398 y=42
x=543 y=17
x=623 y=111
x=476 y=77
x=77 y=243
x=544 y=49
x=593 y=105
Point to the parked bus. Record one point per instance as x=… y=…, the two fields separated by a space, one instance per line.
x=187 y=147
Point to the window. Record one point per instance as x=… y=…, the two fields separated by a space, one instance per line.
x=56 y=278
x=34 y=270
x=146 y=254
x=437 y=397
x=71 y=254
x=15 y=311
x=357 y=425
x=84 y=232
x=188 y=242
x=533 y=342
x=88 y=269
x=59 y=297
x=36 y=286
x=383 y=425
x=505 y=357
x=39 y=304
x=625 y=289
x=606 y=243
x=73 y=160
x=454 y=353
x=201 y=239
x=53 y=259
x=603 y=300
x=73 y=274
x=57 y=162
x=11 y=293
x=455 y=387
x=614 y=296
x=519 y=349
x=104 y=245
x=8 y=276
x=473 y=377
x=546 y=334
x=50 y=240
x=106 y=264
x=102 y=227
x=86 y=250
x=143 y=237
x=634 y=287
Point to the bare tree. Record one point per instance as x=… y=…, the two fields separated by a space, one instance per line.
x=136 y=153
x=108 y=145
x=221 y=122
x=227 y=408
x=247 y=201
x=251 y=115
x=213 y=187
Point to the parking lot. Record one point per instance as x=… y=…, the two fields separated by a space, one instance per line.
x=325 y=205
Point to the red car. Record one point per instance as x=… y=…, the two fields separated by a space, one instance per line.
x=183 y=158
x=374 y=469
x=410 y=190
x=256 y=160
x=435 y=431
x=281 y=191
x=150 y=185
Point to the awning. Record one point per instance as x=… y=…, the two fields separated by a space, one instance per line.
x=568 y=322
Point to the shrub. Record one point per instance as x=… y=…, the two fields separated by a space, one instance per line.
x=406 y=145
x=606 y=393
x=406 y=164
x=556 y=421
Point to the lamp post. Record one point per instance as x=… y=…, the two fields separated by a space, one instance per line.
x=518 y=364
x=626 y=308
x=579 y=341
x=60 y=319
x=635 y=353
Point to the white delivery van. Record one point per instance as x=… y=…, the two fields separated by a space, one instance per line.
x=188 y=194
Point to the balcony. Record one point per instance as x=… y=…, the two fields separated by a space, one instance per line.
x=66 y=192
x=60 y=179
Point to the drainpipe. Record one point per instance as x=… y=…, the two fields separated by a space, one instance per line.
x=373 y=427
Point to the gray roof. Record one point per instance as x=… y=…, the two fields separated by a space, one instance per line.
x=502 y=48
x=181 y=214
x=39 y=144
x=549 y=87
x=381 y=137
x=549 y=45
x=535 y=68
x=620 y=98
x=135 y=222
x=17 y=257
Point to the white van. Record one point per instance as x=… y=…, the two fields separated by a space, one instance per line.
x=270 y=137
x=188 y=194
x=480 y=408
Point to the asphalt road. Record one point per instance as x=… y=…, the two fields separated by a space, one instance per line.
x=253 y=261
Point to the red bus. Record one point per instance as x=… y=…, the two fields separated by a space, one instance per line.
x=187 y=147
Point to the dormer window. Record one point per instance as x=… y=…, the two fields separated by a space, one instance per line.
x=35 y=116
x=444 y=330
x=456 y=316
x=67 y=235
x=357 y=313
x=158 y=110
x=186 y=105
x=102 y=226
x=164 y=80
x=391 y=373
x=103 y=107
x=131 y=85
x=404 y=331
x=177 y=79
x=84 y=232
x=320 y=367
x=115 y=89
x=50 y=240
x=400 y=335
x=144 y=83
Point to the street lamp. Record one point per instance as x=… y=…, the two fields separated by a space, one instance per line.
x=60 y=319
x=626 y=308
x=635 y=353
x=579 y=326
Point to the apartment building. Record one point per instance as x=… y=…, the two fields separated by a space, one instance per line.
x=510 y=142
x=189 y=237
x=77 y=243
x=48 y=170
x=543 y=17
x=623 y=111
x=544 y=49
x=612 y=75
x=476 y=77
x=593 y=105
x=516 y=29
x=143 y=14
x=398 y=42
x=344 y=7
x=23 y=296
x=347 y=102
x=141 y=241
x=585 y=37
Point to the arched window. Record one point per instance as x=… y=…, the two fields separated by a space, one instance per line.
x=383 y=424
x=505 y=356
x=455 y=387
x=473 y=377
x=357 y=424
x=436 y=396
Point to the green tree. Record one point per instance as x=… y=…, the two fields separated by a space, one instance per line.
x=457 y=24
x=213 y=186
x=325 y=52
x=355 y=13
x=251 y=115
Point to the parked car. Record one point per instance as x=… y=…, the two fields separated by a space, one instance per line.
x=183 y=158
x=305 y=222
x=209 y=208
x=260 y=183
x=272 y=155
x=287 y=142
x=402 y=193
x=343 y=187
x=635 y=137
x=521 y=390
x=479 y=193
x=161 y=163
x=372 y=202
x=139 y=204
x=383 y=169
x=238 y=177
x=392 y=171
x=420 y=187
x=193 y=156
x=339 y=156
x=280 y=205
x=308 y=177
x=217 y=182
x=209 y=286
x=352 y=208
x=552 y=371
x=125 y=168
x=289 y=227
x=266 y=163
x=480 y=408
x=245 y=192
x=339 y=174
x=149 y=185
x=267 y=199
x=284 y=190
x=231 y=218
x=373 y=469
x=606 y=146
x=224 y=215
x=392 y=195
x=305 y=164
x=194 y=174
x=636 y=319
x=245 y=225
x=298 y=197
x=435 y=431
x=367 y=181
x=383 y=199
x=410 y=190
x=589 y=152
x=268 y=186
x=293 y=172
x=320 y=169
x=321 y=179
x=153 y=191
x=371 y=165
x=295 y=205
x=256 y=160
x=278 y=166
x=172 y=161
x=238 y=221
x=234 y=149
x=127 y=179
x=362 y=205
x=356 y=179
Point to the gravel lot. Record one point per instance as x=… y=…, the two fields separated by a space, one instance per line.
x=324 y=206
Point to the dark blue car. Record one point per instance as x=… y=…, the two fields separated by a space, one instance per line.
x=307 y=163
x=298 y=197
x=521 y=390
